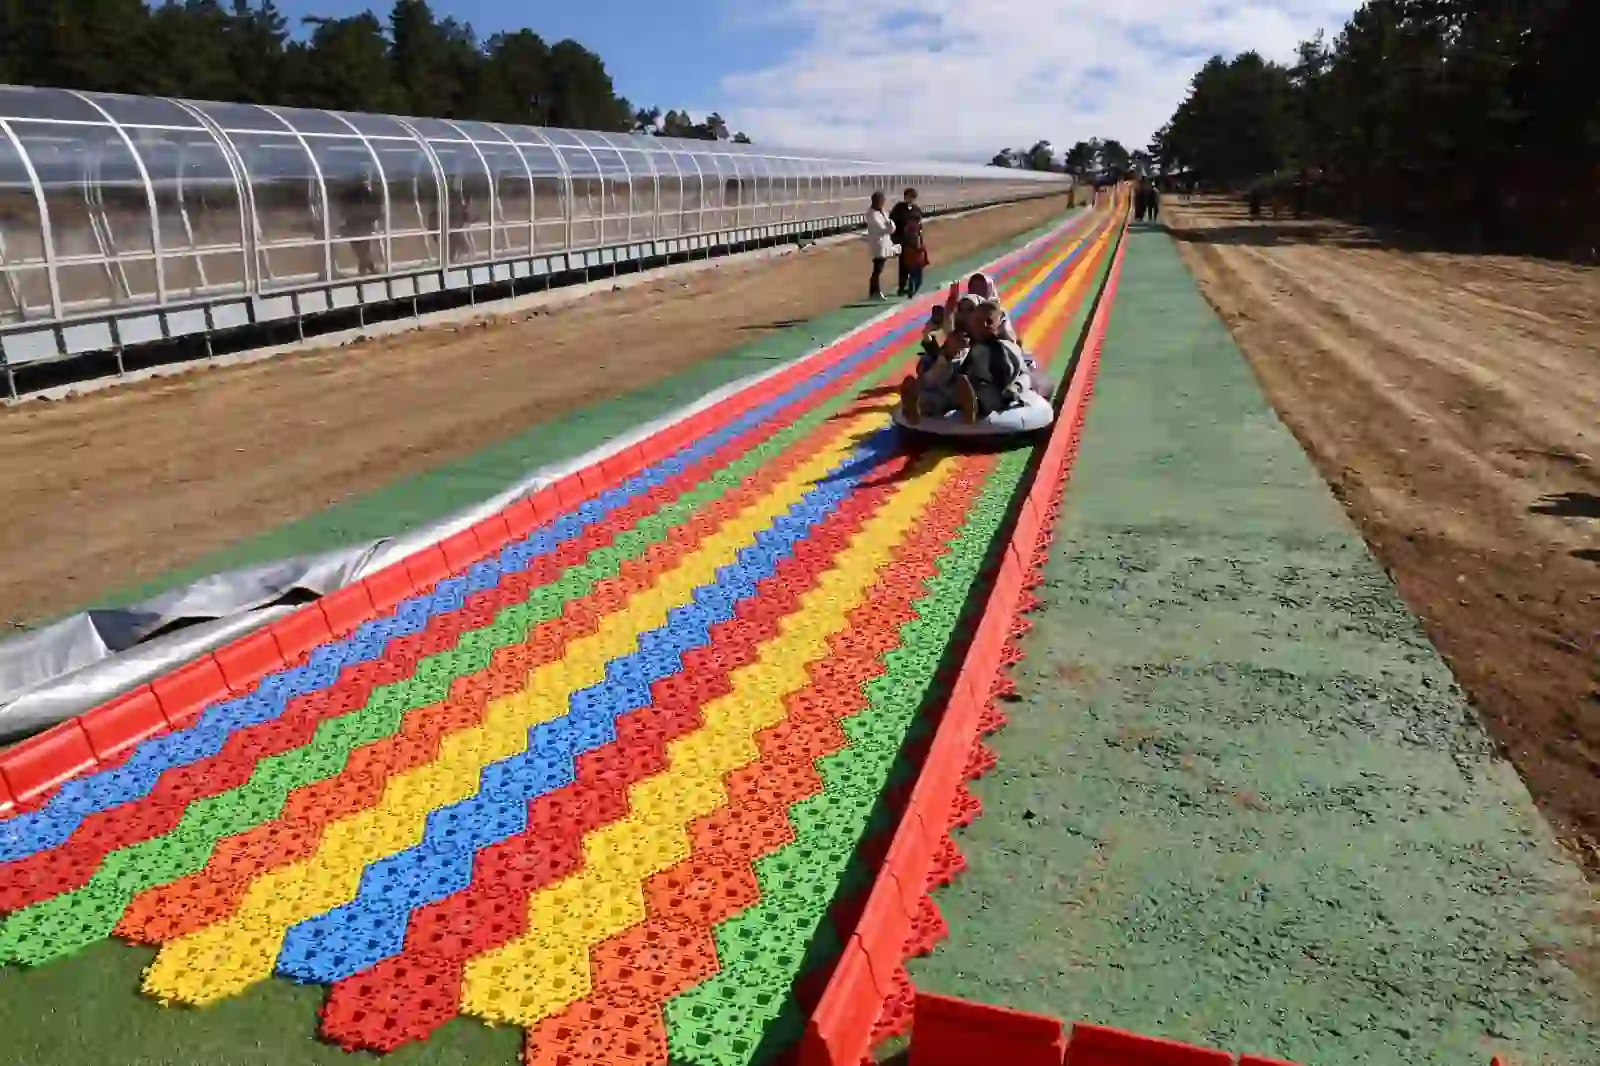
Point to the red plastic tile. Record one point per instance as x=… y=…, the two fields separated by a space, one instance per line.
x=39 y=763
x=702 y=891
x=569 y=492
x=427 y=568
x=658 y=958
x=948 y=1032
x=839 y=1031
x=389 y=586
x=300 y=632
x=494 y=533
x=520 y=518
x=461 y=550
x=399 y=1001
x=248 y=659
x=346 y=609
x=612 y=1030
x=120 y=724
x=1096 y=1045
x=187 y=691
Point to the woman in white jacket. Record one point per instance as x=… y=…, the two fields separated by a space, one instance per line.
x=880 y=238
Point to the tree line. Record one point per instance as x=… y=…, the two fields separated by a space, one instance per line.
x=1097 y=159
x=1475 y=119
x=412 y=63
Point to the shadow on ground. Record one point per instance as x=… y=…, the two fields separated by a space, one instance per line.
x=1233 y=226
x=782 y=323
x=1568 y=505
x=1277 y=234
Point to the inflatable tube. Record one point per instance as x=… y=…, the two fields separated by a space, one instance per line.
x=1032 y=414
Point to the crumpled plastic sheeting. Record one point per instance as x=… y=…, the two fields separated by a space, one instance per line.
x=63 y=669
x=90 y=672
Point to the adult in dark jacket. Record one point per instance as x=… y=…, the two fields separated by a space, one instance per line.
x=910 y=241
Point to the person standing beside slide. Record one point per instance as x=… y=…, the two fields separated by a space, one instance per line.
x=880 y=241
x=907 y=220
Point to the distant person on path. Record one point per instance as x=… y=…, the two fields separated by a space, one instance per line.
x=907 y=219
x=1147 y=202
x=880 y=241
x=361 y=214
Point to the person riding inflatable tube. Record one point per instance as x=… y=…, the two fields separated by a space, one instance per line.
x=981 y=289
x=973 y=380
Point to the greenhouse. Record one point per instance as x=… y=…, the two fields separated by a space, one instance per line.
x=128 y=220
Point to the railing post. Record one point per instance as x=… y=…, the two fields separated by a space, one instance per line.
x=11 y=377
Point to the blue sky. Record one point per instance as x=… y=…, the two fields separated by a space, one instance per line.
x=947 y=79
x=671 y=53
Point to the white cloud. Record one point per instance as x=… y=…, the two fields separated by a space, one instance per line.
x=961 y=79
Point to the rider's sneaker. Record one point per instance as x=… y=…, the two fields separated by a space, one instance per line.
x=910 y=401
x=967 y=400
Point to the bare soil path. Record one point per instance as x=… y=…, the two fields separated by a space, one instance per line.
x=105 y=490
x=1453 y=403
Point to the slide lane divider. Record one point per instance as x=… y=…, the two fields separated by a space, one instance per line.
x=928 y=925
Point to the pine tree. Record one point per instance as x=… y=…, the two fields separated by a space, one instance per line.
x=346 y=65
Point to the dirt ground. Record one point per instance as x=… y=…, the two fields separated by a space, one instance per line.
x=1453 y=403
x=114 y=487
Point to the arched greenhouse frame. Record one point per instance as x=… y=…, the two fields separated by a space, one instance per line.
x=131 y=220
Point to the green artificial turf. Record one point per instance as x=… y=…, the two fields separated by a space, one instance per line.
x=1240 y=801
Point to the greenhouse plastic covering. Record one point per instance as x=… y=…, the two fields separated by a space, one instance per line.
x=110 y=203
